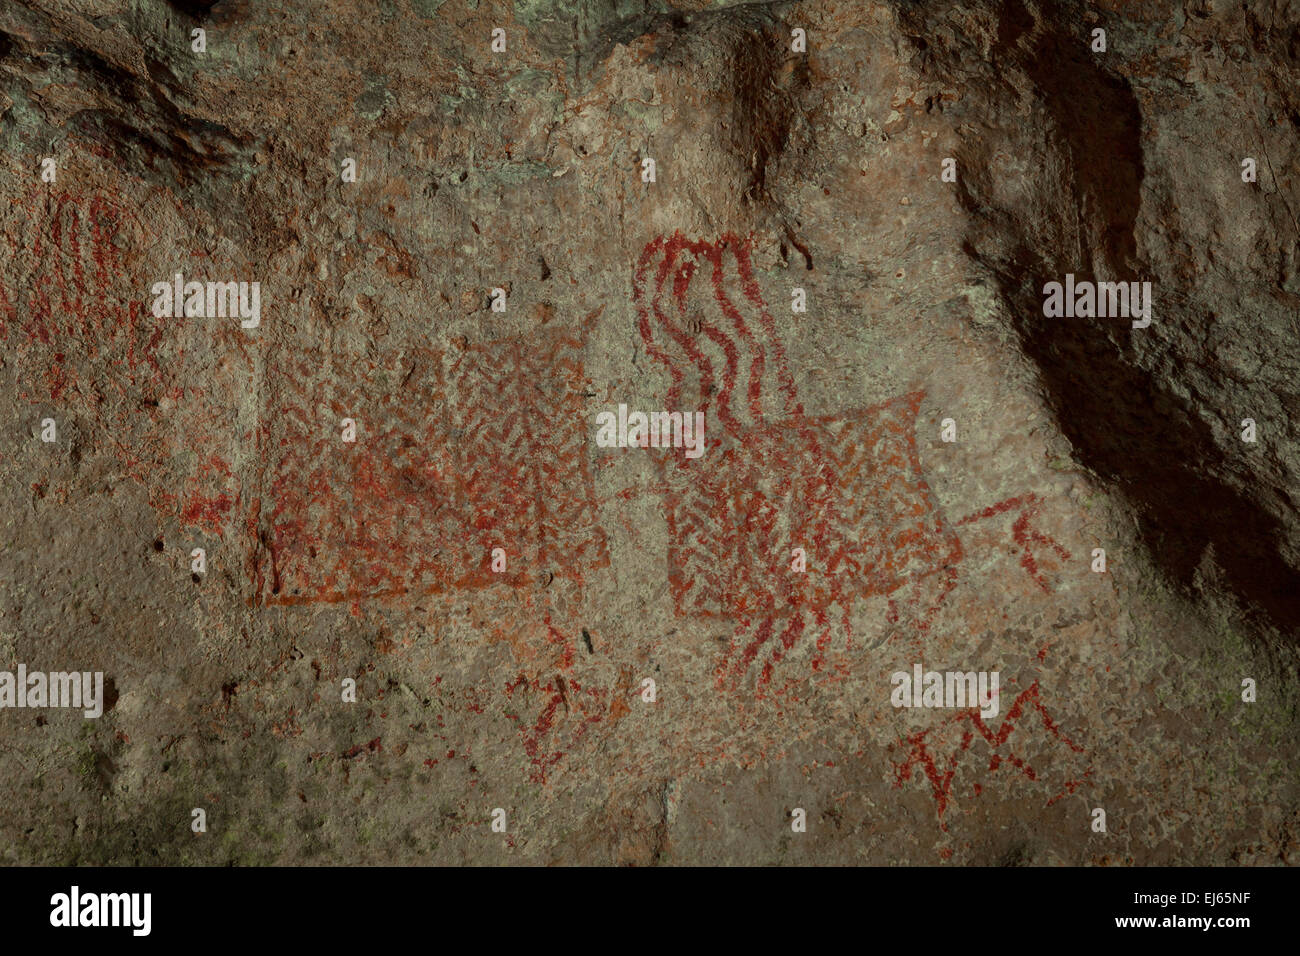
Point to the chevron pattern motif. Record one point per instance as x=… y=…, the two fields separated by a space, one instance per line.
x=483 y=449
x=524 y=481
x=848 y=490
x=888 y=529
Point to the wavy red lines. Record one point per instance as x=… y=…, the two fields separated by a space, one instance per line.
x=848 y=489
x=670 y=337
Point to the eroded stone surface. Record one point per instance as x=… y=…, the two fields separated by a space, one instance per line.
x=523 y=690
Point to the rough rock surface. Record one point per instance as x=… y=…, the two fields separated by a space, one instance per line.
x=522 y=170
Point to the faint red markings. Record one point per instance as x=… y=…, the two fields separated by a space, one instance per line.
x=849 y=490
x=74 y=310
x=556 y=710
x=361 y=749
x=64 y=287
x=565 y=711
x=941 y=761
x=205 y=510
x=523 y=470
x=489 y=452
x=350 y=521
x=1022 y=533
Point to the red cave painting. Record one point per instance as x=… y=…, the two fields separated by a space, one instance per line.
x=74 y=314
x=848 y=489
x=460 y=455
x=565 y=709
x=937 y=755
x=487 y=446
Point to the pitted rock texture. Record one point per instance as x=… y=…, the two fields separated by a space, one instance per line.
x=526 y=688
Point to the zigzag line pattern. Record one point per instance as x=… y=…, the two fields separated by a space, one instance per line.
x=525 y=483
x=443 y=471
x=363 y=519
x=849 y=490
x=940 y=771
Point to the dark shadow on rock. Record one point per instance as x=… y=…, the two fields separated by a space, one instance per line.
x=1126 y=425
